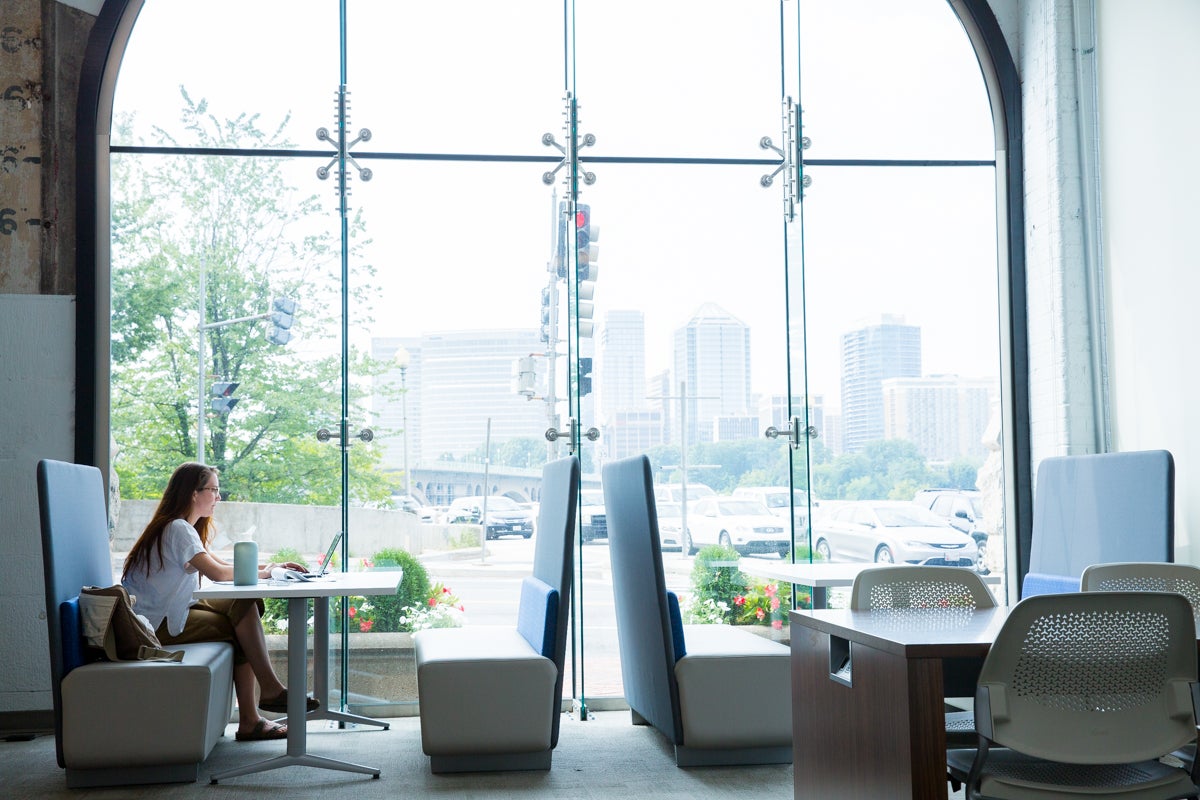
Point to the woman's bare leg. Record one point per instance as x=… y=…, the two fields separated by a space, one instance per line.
x=253 y=642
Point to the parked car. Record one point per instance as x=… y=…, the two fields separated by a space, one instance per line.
x=743 y=523
x=592 y=521
x=891 y=532
x=673 y=493
x=962 y=508
x=670 y=525
x=776 y=499
x=504 y=516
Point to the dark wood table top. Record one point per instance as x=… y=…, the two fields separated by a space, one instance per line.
x=911 y=633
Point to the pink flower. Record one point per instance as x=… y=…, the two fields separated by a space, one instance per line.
x=758 y=612
x=770 y=589
x=321 y=558
x=460 y=607
x=366 y=625
x=774 y=603
x=353 y=611
x=445 y=590
x=740 y=600
x=777 y=624
x=432 y=601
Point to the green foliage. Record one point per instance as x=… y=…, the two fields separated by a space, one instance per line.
x=255 y=237
x=414 y=589
x=722 y=594
x=718 y=584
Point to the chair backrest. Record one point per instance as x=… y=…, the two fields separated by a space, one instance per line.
x=1091 y=677
x=914 y=586
x=1099 y=508
x=75 y=553
x=645 y=634
x=1144 y=576
x=553 y=566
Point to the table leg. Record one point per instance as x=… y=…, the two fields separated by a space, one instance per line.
x=297 y=741
x=321 y=670
x=890 y=718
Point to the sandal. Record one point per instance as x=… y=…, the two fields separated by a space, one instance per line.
x=279 y=705
x=264 y=731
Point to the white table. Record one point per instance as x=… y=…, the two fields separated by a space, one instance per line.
x=297 y=593
x=820 y=576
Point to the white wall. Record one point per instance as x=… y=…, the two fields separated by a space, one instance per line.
x=1149 y=73
x=37 y=395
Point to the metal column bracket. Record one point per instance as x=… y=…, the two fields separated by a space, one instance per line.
x=567 y=432
x=792 y=432
x=791 y=163
x=343 y=157
x=570 y=151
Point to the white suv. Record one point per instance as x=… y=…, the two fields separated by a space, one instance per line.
x=962 y=508
x=776 y=499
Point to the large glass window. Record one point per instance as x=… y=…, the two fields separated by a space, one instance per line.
x=797 y=203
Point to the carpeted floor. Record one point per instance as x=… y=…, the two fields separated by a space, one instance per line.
x=605 y=757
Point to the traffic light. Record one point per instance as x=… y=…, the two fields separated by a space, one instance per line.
x=586 y=254
x=549 y=312
x=223 y=400
x=525 y=376
x=585 y=376
x=283 y=311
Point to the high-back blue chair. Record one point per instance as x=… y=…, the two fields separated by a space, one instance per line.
x=110 y=727
x=516 y=674
x=1096 y=509
x=691 y=682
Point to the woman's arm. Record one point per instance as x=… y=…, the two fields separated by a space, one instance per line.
x=216 y=569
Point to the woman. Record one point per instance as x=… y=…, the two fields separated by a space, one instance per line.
x=164 y=567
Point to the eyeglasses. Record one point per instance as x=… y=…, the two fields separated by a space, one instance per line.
x=216 y=490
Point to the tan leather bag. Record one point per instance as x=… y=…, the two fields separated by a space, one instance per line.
x=110 y=624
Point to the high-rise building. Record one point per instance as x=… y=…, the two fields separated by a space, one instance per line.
x=945 y=416
x=466 y=380
x=712 y=366
x=621 y=373
x=870 y=355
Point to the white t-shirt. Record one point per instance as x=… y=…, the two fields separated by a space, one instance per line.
x=166 y=593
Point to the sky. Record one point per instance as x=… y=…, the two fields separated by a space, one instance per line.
x=465 y=244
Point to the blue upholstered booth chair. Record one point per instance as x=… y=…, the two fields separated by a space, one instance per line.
x=721 y=695
x=124 y=722
x=491 y=698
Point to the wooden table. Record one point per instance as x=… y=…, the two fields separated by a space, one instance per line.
x=868 y=698
x=821 y=576
x=297 y=593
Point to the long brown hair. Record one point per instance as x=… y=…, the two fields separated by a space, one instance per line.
x=175 y=504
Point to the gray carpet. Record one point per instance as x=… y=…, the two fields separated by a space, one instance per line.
x=605 y=757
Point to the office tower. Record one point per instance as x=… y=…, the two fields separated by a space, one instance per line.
x=628 y=433
x=712 y=360
x=943 y=415
x=871 y=354
x=621 y=373
x=467 y=379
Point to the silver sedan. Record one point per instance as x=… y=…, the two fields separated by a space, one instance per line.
x=891 y=532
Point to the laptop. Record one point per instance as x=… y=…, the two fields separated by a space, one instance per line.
x=293 y=575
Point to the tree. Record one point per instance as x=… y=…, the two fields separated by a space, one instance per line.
x=254 y=237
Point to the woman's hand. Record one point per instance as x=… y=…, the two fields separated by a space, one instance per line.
x=265 y=571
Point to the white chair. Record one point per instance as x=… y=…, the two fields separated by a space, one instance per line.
x=940 y=590
x=1081 y=694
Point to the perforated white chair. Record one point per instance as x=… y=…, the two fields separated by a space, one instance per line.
x=1144 y=576
x=941 y=590
x=1080 y=695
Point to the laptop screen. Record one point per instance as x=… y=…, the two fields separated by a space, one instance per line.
x=321 y=570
